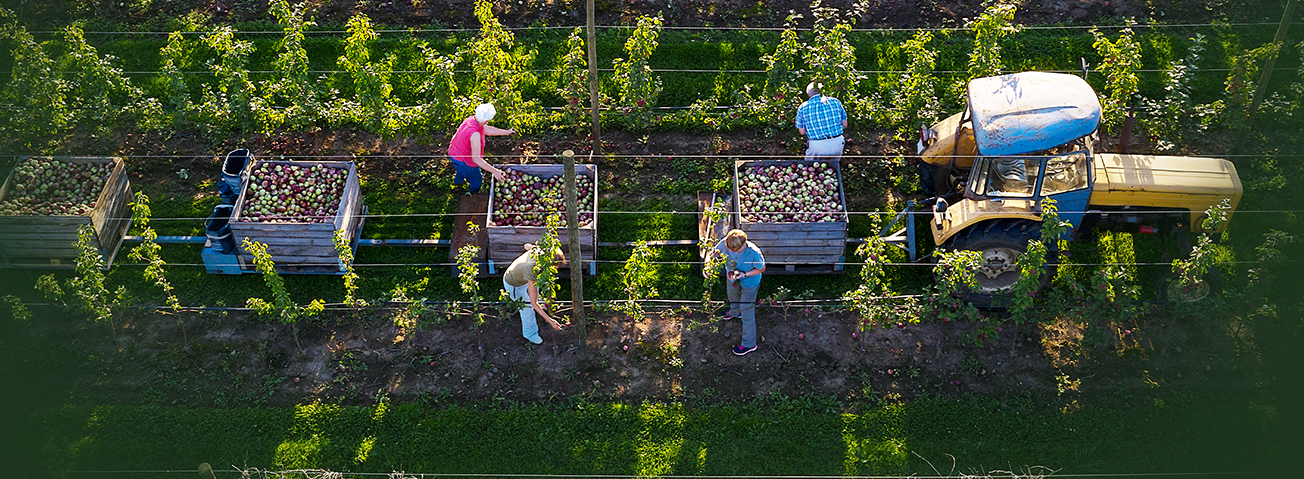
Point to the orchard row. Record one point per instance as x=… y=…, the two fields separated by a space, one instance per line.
x=405 y=84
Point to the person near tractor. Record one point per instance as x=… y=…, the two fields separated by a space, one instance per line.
x=466 y=149
x=743 y=267
x=822 y=119
x=519 y=282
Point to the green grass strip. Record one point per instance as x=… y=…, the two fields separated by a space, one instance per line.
x=769 y=437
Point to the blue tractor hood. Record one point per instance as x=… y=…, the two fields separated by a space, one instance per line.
x=1028 y=112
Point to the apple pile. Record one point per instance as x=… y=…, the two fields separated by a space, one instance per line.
x=290 y=193
x=45 y=186
x=523 y=199
x=796 y=193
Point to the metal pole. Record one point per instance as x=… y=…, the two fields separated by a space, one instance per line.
x=593 y=84
x=573 y=237
x=1265 y=76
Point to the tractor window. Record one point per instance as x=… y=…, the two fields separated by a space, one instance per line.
x=1065 y=173
x=1007 y=177
x=978 y=177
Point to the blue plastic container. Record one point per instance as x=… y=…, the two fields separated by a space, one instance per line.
x=235 y=168
x=228 y=194
x=218 y=229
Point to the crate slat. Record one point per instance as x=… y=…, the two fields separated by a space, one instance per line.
x=812 y=235
x=803 y=259
x=48 y=234
x=67 y=253
x=821 y=244
x=836 y=226
x=509 y=254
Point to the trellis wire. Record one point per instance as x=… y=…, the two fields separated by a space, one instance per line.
x=406 y=475
x=849 y=213
x=649 y=156
x=654 y=70
x=684 y=27
x=615 y=261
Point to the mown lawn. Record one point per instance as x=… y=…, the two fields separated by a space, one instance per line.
x=1180 y=433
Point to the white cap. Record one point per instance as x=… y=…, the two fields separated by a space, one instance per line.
x=485 y=112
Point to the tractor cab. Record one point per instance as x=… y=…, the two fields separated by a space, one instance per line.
x=1021 y=114
x=1032 y=139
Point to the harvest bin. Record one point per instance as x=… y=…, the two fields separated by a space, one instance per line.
x=303 y=248
x=33 y=241
x=799 y=247
x=506 y=243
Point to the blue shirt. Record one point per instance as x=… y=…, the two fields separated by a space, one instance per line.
x=821 y=116
x=746 y=260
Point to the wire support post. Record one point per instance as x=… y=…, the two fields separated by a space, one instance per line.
x=573 y=237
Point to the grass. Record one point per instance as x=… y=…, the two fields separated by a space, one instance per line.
x=769 y=436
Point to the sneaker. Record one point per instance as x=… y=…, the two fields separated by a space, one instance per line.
x=726 y=315
x=739 y=350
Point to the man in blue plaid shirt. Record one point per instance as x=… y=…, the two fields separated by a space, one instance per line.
x=822 y=120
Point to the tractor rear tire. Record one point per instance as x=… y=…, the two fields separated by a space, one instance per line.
x=1001 y=242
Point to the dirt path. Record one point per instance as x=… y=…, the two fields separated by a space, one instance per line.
x=229 y=359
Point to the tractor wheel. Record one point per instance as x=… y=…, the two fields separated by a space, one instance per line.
x=1001 y=242
x=1169 y=289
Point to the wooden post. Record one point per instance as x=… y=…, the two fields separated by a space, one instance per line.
x=576 y=257
x=594 y=107
x=1264 y=76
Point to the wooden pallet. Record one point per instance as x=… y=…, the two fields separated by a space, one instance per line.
x=506 y=243
x=51 y=241
x=302 y=248
x=796 y=248
x=470 y=209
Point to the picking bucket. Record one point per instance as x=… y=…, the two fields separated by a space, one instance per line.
x=234 y=168
x=218 y=229
x=228 y=194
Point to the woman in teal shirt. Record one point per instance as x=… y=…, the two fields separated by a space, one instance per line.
x=743 y=267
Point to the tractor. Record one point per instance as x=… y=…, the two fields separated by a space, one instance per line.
x=1027 y=136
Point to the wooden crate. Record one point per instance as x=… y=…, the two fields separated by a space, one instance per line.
x=506 y=243
x=302 y=248
x=796 y=246
x=51 y=241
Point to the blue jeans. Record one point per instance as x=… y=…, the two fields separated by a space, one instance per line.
x=467 y=173
x=742 y=304
x=529 y=326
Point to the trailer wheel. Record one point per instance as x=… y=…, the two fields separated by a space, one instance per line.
x=1001 y=242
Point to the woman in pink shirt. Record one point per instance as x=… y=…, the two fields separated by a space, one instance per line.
x=466 y=150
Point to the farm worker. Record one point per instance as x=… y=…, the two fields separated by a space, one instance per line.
x=743 y=267
x=821 y=119
x=518 y=281
x=466 y=150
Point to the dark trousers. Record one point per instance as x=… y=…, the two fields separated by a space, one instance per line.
x=467 y=173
